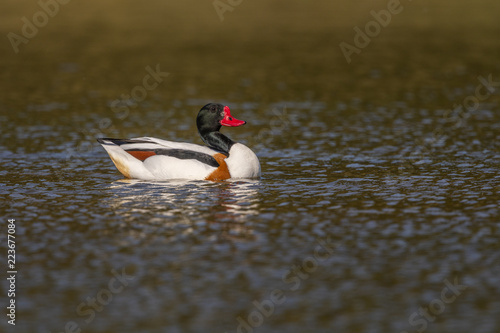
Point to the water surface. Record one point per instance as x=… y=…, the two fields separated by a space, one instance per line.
x=379 y=198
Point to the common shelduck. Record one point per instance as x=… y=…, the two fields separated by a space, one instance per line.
x=155 y=159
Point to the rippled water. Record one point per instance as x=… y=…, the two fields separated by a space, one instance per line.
x=377 y=211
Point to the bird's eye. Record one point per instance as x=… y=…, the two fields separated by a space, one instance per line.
x=230 y=118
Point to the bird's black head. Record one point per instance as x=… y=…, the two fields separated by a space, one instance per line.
x=209 y=121
x=212 y=116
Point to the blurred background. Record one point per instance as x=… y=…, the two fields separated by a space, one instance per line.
x=390 y=152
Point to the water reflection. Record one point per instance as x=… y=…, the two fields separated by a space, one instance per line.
x=192 y=205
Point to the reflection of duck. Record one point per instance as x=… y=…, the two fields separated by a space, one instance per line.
x=195 y=207
x=150 y=158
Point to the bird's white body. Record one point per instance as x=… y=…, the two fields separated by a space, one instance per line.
x=241 y=162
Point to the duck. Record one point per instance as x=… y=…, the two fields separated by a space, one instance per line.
x=148 y=158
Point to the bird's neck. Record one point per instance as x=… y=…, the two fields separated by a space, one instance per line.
x=218 y=141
